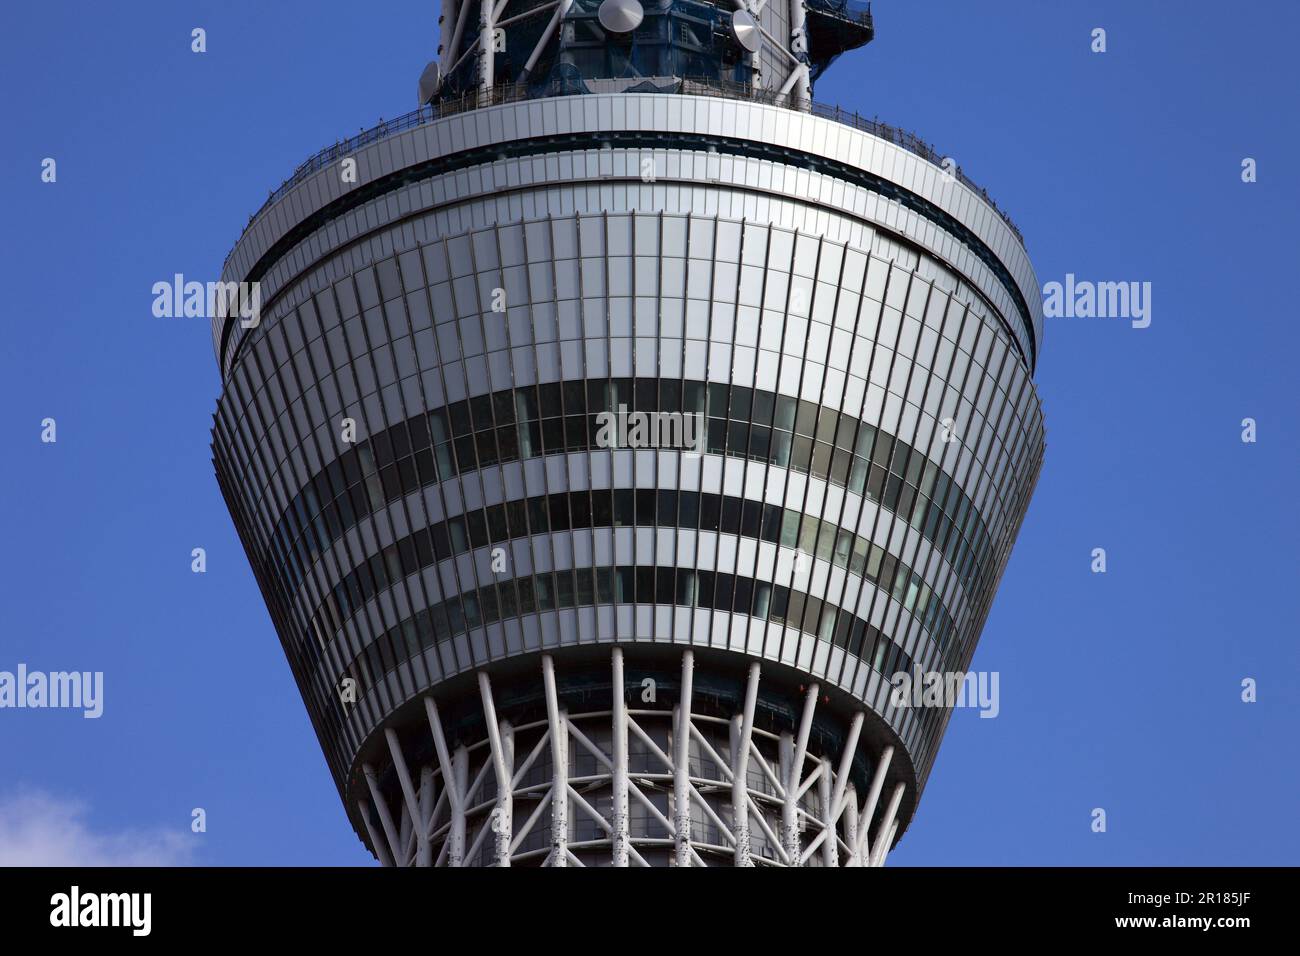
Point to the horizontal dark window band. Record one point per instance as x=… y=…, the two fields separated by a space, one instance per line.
x=466 y=413
x=626 y=507
x=311 y=650
x=545 y=145
x=639 y=585
x=429 y=447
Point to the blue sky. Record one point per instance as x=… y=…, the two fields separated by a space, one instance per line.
x=1119 y=691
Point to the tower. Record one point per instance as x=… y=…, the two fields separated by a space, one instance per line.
x=616 y=428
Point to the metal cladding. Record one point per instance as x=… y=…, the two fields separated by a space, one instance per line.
x=602 y=458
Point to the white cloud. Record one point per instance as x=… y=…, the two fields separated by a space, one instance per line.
x=40 y=829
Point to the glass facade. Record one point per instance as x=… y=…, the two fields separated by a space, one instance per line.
x=422 y=395
x=586 y=587
x=626 y=507
x=560 y=417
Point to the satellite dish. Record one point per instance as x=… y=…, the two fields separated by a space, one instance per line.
x=746 y=31
x=430 y=80
x=620 y=16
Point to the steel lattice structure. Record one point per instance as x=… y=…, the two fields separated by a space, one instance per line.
x=779 y=46
x=492 y=805
x=520 y=644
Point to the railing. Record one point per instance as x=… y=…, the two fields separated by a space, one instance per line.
x=913 y=144
x=850 y=10
x=502 y=93
x=517 y=92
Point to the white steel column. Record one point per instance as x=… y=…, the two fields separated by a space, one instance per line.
x=453 y=785
x=619 y=835
x=376 y=841
x=742 y=738
x=739 y=809
x=882 y=850
x=501 y=817
x=789 y=802
x=486 y=48
x=830 y=852
x=805 y=729
x=888 y=826
x=560 y=767
x=681 y=765
x=453 y=52
x=445 y=26
x=506 y=819
x=862 y=856
x=456 y=835
x=405 y=831
x=545 y=38
x=797 y=80
x=792 y=760
x=424 y=855
x=381 y=805
x=845 y=771
x=450 y=801
x=799 y=47
x=851 y=824
x=410 y=819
